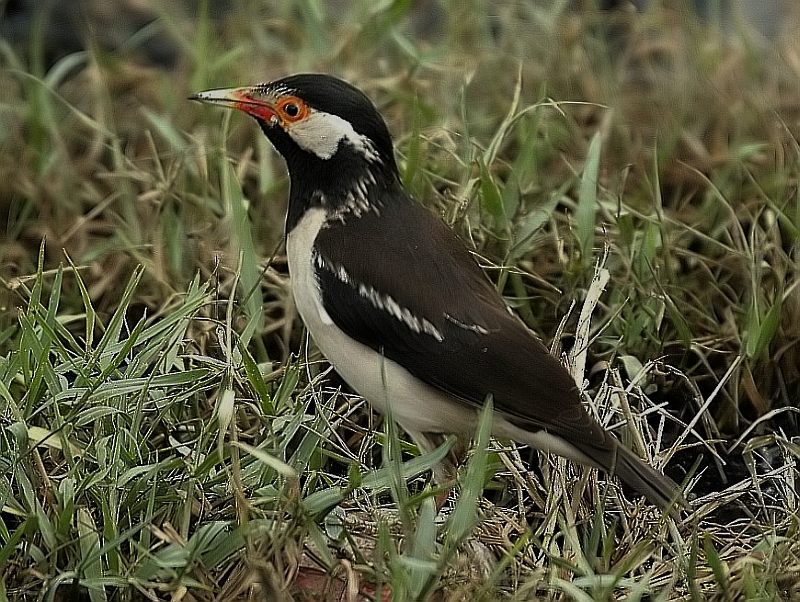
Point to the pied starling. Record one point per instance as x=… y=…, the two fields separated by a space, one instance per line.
x=396 y=302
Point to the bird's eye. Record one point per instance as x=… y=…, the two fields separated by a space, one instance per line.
x=292 y=109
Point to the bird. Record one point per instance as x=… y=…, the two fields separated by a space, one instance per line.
x=397 y=303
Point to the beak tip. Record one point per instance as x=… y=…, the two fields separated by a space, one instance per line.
x=221 y=96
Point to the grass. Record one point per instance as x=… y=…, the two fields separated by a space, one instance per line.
x=167 y=429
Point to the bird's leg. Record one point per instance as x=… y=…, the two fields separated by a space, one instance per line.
x=446 y=471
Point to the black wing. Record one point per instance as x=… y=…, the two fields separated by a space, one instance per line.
x=403 y=284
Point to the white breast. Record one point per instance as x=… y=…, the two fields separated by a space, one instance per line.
x=415 y=405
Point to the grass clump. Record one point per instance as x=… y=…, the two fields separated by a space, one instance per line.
x=629 y=181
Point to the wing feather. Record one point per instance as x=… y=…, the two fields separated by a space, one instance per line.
x=423 y=301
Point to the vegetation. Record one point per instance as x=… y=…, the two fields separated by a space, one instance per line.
x=167 y=431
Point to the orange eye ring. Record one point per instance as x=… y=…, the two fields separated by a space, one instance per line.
x=292 y=109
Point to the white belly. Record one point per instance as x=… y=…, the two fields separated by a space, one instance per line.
x=381 y=381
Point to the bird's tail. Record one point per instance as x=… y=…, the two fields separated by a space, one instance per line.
x=645 y=480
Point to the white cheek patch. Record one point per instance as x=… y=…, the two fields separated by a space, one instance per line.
x=320 y=133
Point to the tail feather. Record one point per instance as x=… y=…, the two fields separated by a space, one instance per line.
x=645 y=480
x=609 y=456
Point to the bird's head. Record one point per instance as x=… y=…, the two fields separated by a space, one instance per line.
x=314 y=120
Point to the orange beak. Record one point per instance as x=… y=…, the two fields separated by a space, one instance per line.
x=249 y=99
